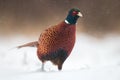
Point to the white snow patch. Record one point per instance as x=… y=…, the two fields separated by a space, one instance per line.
x=91 y=59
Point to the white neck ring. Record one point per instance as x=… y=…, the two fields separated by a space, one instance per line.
x=67 y=22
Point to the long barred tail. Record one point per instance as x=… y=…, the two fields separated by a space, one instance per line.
x=30 y=44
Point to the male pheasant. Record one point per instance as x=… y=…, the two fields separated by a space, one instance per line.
x=56 y=43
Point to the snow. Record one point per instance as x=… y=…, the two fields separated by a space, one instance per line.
x=91 y=59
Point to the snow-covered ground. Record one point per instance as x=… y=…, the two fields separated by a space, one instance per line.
x=91 y=59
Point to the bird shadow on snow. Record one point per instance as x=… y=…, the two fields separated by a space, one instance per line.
x=57 y=71
x=43 y=71
x=36 y=72
x=39 y=71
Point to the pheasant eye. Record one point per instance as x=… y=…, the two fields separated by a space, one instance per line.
x=74 y=13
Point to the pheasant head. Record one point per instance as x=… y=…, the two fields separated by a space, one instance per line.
x=73 y=16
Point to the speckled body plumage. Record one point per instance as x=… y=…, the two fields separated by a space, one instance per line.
x=61 y=36
x=56 y=38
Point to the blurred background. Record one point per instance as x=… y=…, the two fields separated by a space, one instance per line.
x=30 y=17
x=96 y=55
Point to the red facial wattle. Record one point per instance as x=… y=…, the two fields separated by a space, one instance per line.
x=74 y=13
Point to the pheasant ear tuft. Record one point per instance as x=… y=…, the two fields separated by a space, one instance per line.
x=75 y=9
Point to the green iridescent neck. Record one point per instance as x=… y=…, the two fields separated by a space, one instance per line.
x=71 y=19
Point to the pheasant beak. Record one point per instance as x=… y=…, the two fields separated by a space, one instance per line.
x=80 y=14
